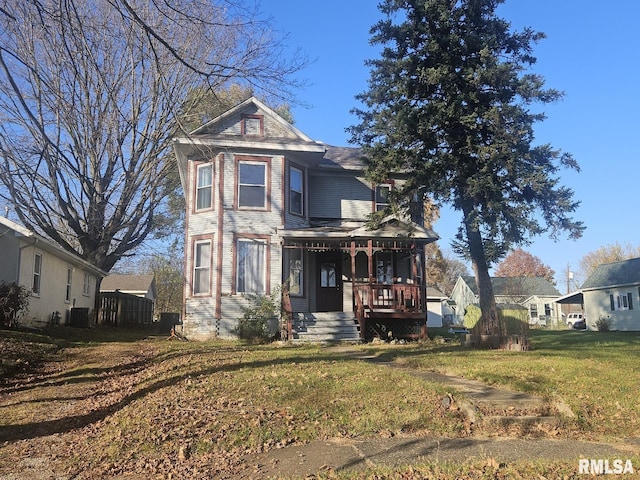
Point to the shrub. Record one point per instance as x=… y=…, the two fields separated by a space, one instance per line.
x=14 y=301
x=603 y=324
x=260 y=320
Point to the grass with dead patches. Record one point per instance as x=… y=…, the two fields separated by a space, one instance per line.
x=594 y=373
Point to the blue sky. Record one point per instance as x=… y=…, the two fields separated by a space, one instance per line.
x=592 y=53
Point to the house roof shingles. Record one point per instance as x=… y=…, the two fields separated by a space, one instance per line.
x=126 y=283
x=516 y=286
x=626 y=272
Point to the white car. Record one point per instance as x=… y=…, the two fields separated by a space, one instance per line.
x=572 y=318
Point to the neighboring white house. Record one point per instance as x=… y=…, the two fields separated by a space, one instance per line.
x=139 y=285
x=439 y=312
x=611 y=292
x=59 y=281
x=269 y=206
x=536 y=294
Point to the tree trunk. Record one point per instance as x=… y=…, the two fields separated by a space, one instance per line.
x=489 y=323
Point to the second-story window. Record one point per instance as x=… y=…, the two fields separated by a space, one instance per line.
x=252 y=125
x=252 y=184
x=204 y=186
x=382 y=196
x=296 y=192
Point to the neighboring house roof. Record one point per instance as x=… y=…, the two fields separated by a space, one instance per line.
x=49 y=246
x=506 y=286
x=132 y=284
x=626 y=272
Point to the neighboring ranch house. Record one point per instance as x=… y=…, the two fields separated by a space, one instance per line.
x=62 y=285
x=267 y=207
x=612 y=292
x=536 y=294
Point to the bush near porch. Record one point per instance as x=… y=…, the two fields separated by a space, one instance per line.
x=515 y=318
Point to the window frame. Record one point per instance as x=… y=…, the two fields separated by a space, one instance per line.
x=36 y=285
x=376 y=203
x=197 y=188
x=86 y=285
x=621 y=301
x=263 y=241
x=300 y=213
x=67 y=292
x=266 y=164
x=247 y=120
x=197 y=268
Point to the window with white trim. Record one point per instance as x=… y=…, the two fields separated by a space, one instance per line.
x=37 y=274
x=382 y=196
x=623 y=301
x=533 y=309
x=204 y=186
x=251 y=268
x=86 y=285
x=67 y=292
x=202 y=267
x=252 y=184
x=296 y=191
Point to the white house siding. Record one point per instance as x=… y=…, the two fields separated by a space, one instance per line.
x=53 y=285
x=434 y=313
x=462 y=296
x=555 y=319
x=200 y=320
x=597 y=304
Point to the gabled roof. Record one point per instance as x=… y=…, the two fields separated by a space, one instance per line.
x=49 y=246
x=134 y=284
x=509 y=286
x=626 y=272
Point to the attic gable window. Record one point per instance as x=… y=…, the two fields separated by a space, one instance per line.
x=252 y=125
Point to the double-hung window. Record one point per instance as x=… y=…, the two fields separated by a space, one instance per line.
x=382 y=196
x=204 y=186
x=67 y=292
x=37 y=274
x=251 y=266
x=296 y=192
x=202 y=267
x=86 y=285
x=252 y=184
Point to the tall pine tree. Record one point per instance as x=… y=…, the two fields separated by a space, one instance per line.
x=449 y=103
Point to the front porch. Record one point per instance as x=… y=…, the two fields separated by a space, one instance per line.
x=375 y=277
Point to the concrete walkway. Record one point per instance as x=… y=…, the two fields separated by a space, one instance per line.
x=473 y=398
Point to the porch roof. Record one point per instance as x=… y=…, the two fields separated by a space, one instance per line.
x=390 y=228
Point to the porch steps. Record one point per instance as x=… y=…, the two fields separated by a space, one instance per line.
x=325 y=327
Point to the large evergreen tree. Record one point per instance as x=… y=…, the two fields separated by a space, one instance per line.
x=449 y=103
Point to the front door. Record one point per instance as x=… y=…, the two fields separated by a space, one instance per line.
x=329 y=282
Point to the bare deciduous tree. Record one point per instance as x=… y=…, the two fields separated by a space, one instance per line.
x=90 y=93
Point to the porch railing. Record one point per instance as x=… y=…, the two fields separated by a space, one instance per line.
x=397 y=297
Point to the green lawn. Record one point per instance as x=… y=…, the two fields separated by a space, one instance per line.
x=595 y=373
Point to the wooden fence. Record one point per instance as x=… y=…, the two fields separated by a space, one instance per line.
x=123 y=309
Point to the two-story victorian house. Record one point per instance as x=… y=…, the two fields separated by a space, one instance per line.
x=267 y=206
